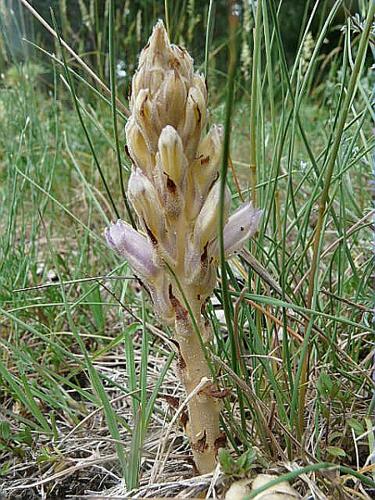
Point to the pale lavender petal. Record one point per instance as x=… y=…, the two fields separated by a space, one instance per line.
x=241 y=226
x=134 y=247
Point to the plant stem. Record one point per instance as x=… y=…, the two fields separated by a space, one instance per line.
x=203 y=423
x=203 y=426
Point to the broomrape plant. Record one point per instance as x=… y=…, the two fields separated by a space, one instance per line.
x=174 y=190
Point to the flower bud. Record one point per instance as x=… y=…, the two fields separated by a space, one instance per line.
x=171 y=154
x=156 y=54
x=134 y=247
x=158 y=58
x=182 y=61
x=200 y=82
x=153 y=61
x=170 y=100
x=137 y=147
x=205 y=169
x=146 y=80
x=143 y=118
x=210 y=147
x=195 y=119
x=206 y=225
x=144 y=198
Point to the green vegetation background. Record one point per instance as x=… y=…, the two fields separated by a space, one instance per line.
x=85 y=367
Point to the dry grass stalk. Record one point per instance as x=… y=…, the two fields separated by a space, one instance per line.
x=174 y=190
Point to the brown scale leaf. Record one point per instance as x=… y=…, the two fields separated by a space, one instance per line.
x=184 y=419
x=181 y=312
x=214 y=392
x=181 y=364
x=173 y=401
x=201 y=444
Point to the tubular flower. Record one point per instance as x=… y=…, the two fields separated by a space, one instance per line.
x=241 y=226
x=134 y=247
x=174 y=190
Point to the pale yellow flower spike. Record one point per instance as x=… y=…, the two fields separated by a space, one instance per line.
x=174 y=190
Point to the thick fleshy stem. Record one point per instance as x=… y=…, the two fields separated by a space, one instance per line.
x=203 y=423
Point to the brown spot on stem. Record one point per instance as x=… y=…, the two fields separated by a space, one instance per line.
x=184 y=419
x=172 y=298
x=172 y=401
x=181 y=312
x=201 y=444
x=205 y=160
x=214 y=392
x=220 y=442
x=181 y=365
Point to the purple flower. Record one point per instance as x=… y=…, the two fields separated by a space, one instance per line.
x=241 y=226
x=134 y=247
